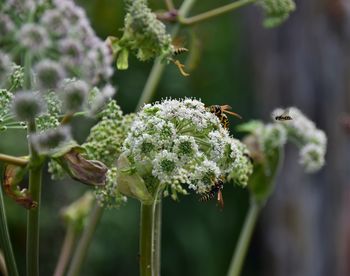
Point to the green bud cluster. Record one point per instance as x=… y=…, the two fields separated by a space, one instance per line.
x=106 y=138
x=143 y=35
x=276 y=11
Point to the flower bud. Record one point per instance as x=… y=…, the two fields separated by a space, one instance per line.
x=27 y=105
x=89 y=172
x=74 y=95
x=76 y=213
x=34 y=38
x=49 y=74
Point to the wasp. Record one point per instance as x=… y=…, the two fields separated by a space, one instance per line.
x=179 y=51
x=220 y=110
x=284 y=116
x=216 y=189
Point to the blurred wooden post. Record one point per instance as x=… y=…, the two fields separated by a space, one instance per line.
x=306 y=63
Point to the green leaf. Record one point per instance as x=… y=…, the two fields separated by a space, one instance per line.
x=122 y=60
x=249 y=126
x=262 y=181
x=131 y=184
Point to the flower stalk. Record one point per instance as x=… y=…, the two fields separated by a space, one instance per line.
x=35 y=179
x=66 y=251
x=84 y=242
x=244 y=240
x=146 y=240
x=8 y=159
x=214 y=12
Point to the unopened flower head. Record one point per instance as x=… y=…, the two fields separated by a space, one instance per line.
x=74 y=95
x=62 y=32
x=179 y=142
x=6 y=26
x=49 y=74
x=27 y=105
x=33 y=37
x=48 y=141
x=276 y=11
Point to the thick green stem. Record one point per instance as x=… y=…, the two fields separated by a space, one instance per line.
x=214 y=13
x=35 y=175
x=244 y=240
x=157 y=235
x=18 y=161
x=158 y=67
x=146 y=240
x=66 y=251
x=83 y=245
x=5 y=241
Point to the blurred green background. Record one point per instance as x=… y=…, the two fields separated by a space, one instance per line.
x=304 y=229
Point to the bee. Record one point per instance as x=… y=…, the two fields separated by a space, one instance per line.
x=216 y=189
x=220 y=110
x=179 y=51
x=284 y=116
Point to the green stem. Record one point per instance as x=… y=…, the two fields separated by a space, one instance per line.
x=157 y=233
x=146 y=240
x=214 y=13
x=170 y=5
x=5 y=241
x=158 y=67
x=244 y=240
x=83 y=245
x=66 y=251
x=35 y=178
x=27 y=71
x=18 y=161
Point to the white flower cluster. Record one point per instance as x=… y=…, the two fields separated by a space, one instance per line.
x=179 y=142
x=312 y=141
x=270 y=136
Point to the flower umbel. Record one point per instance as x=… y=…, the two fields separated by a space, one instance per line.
x=175 y=145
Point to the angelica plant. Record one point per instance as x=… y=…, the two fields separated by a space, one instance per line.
x=266 y=143
x=53 y=67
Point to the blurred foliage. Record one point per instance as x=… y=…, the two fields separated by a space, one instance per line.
x=197 y=238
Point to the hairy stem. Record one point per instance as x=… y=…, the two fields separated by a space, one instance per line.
x=214 y=13
x=158 y=67
x=83 y=245
x=18 y=161
x=35 y=175
x=5 y=241
x=66 y=251
x=244 y=240
x=146 y=240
